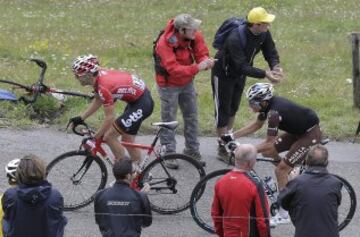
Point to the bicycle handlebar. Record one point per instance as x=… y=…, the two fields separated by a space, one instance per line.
x=81 y=129
x=38 y=87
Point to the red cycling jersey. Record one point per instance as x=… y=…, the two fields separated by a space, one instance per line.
x=113 y=85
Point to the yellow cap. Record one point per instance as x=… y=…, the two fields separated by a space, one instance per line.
x=259 y=15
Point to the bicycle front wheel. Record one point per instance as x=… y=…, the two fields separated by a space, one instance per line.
x=171 y=188
x=78 y=176
x=200 y=206
x=347 y=207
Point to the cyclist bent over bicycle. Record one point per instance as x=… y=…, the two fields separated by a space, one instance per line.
x=109 y=86
x=300 y=124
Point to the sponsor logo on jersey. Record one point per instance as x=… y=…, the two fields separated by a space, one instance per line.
x=126 y=90
x=133 y=117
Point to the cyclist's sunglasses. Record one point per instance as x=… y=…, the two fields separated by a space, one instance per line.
x=255 y=103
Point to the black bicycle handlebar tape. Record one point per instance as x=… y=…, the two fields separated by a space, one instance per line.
x=79 y=133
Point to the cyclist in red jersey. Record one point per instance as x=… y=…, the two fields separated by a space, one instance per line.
x=109 y=86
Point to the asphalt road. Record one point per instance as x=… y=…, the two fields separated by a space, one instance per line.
x=49 y=143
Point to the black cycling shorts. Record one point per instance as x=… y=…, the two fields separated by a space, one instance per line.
x=135 y=112
x=297 y=145
x=226 y=94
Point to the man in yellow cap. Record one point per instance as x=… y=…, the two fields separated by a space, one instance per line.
x=235 y=62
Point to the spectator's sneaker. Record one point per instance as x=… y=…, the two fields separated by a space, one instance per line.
x=280 y=220
x=195 y=155
x=224 y=156
x=171 y=164
x=226 y=138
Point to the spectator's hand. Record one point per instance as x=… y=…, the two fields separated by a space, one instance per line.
x=278 y=71
x=273 y=77
x=206 y=64
x=146 y=188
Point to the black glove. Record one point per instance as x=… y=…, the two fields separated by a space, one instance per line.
x=76 y=121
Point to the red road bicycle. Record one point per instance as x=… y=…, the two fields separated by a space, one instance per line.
x=81 y=173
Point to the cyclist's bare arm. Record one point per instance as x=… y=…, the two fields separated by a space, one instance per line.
x=266 y=145
x=92 y=108
x=109 y=119
x=249 y=129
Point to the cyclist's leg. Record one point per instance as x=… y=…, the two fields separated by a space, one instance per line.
x=297 y=153
x=282 y=143
x=128 y=125
x=111 y=139
x=135 y=153
x=169 y=104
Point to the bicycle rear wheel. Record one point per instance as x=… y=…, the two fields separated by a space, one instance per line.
x=200 y=207
x=347 y=207
x=171 y=188
x=78 y=176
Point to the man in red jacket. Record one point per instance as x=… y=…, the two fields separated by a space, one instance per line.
x=240 y=207
x=179 y=54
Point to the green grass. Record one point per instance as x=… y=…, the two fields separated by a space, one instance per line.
x=311 y=36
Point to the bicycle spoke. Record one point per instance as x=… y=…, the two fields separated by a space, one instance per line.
x=77 y=191
x=171 y=188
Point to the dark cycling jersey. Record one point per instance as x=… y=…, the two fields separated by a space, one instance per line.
x=287 y=116
x=112 y=85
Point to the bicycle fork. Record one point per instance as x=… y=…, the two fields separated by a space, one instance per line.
x=83 y=170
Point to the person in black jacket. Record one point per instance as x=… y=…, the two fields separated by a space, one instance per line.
x=121 y=210
x=313 y=198
x=235 y=62
x=34 y=207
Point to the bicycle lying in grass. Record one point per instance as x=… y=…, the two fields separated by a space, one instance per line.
x=34 y=90
x=200 y=205
x=80 y=174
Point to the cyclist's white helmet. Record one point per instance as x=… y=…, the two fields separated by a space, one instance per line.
x=260 y=92
x=85 y=64
x=10 y=169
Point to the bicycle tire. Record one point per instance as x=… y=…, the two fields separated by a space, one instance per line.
x=204 y=223
x=175 y=194
x=61 y=170
x=347 y=208
x=349 y=214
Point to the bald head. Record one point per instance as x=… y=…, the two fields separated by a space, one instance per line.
x=317 y=156
x=244 y=153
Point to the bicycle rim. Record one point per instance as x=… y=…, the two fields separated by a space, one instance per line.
x=171 y=188
x=77 y=191
x=200 y=207
x=347 y=207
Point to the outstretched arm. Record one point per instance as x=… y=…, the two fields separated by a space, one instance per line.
x=248 y=129
x=266 y=145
